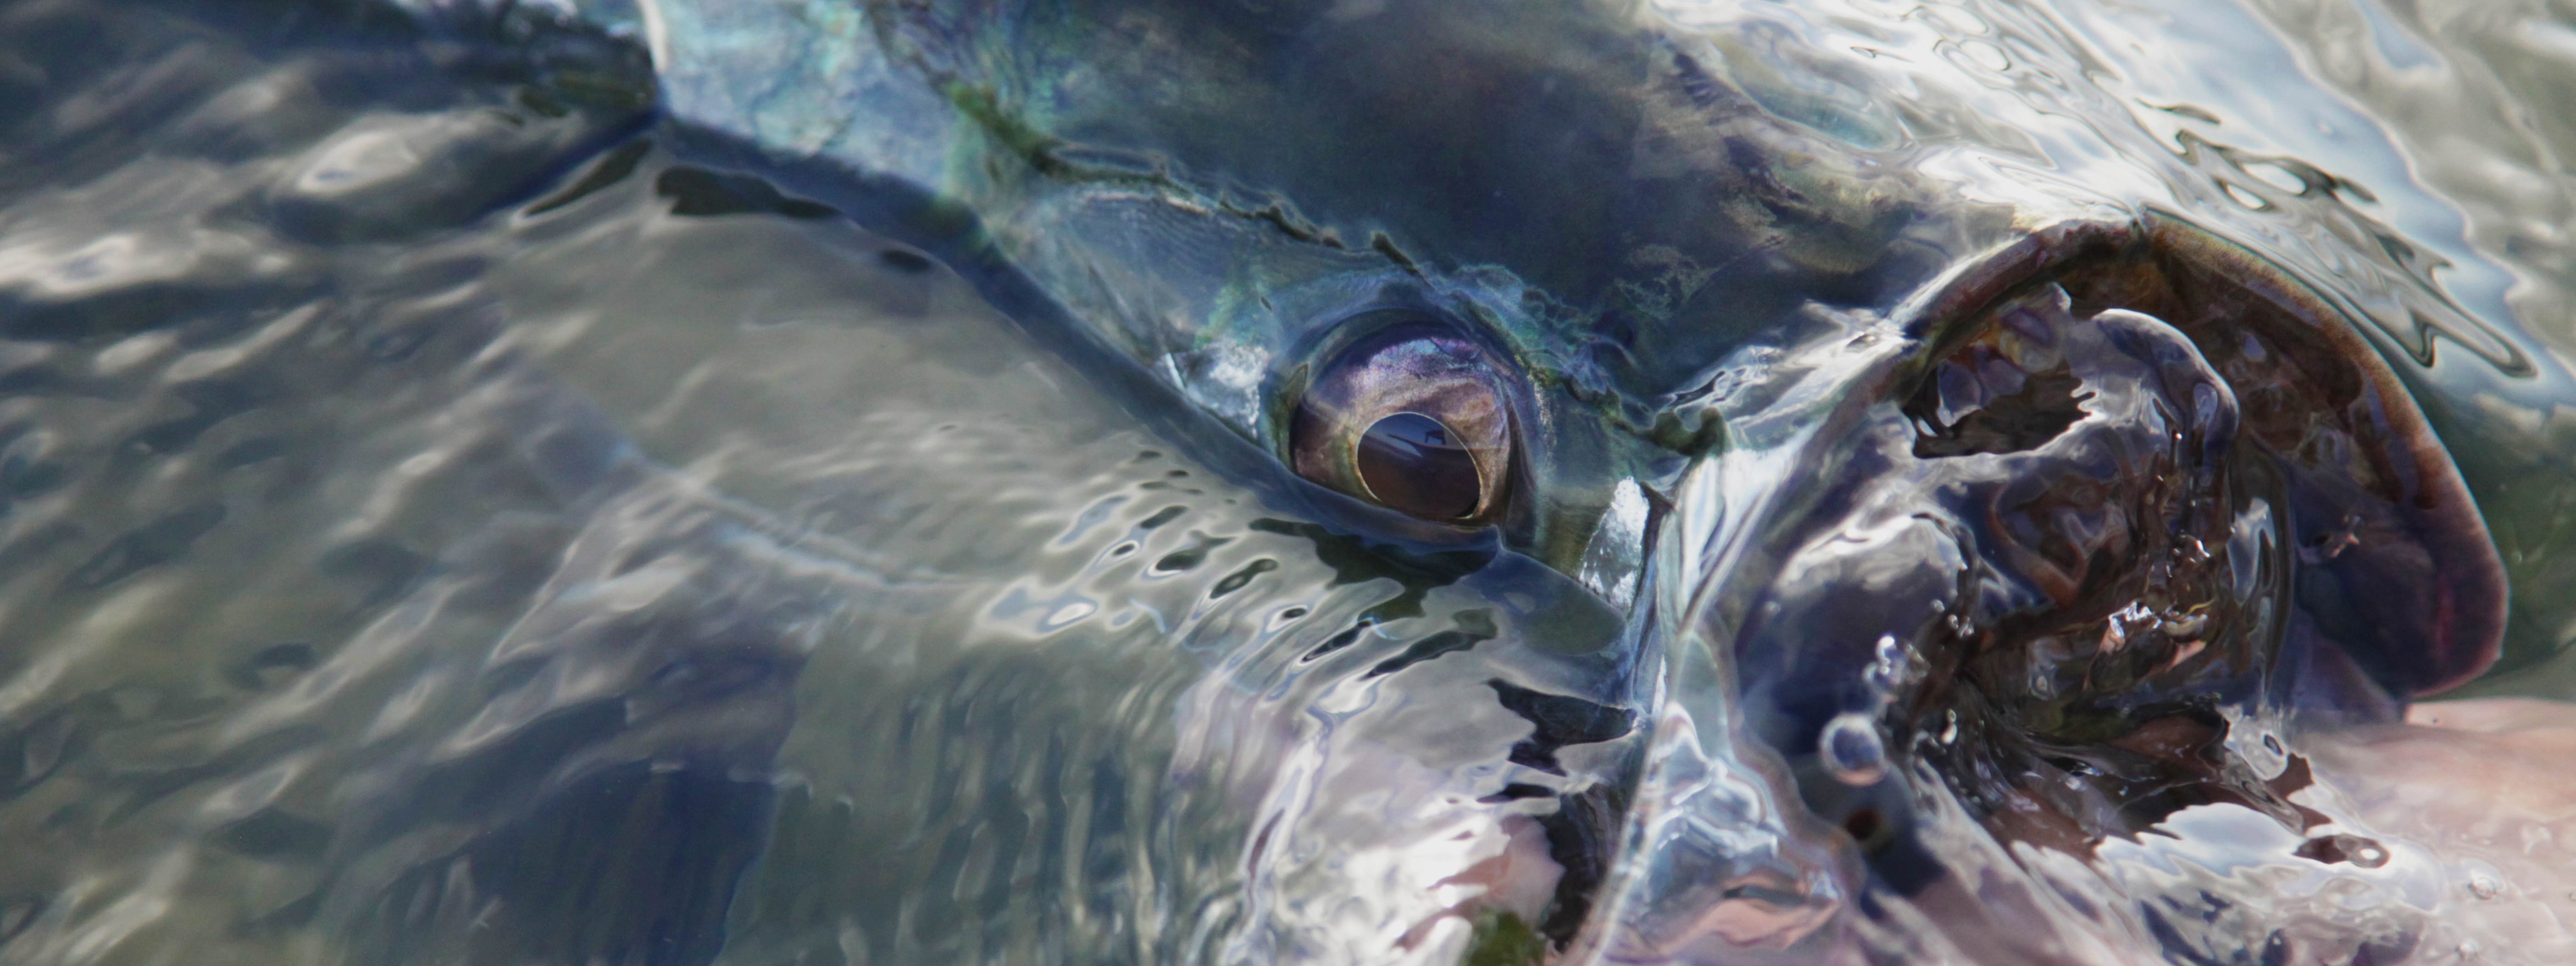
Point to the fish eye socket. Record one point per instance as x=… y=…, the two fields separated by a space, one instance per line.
x=1414 y=418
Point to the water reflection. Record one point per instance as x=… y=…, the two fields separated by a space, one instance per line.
x=456 y=513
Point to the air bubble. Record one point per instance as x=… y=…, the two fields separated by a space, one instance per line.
x=2360 y=852
x=1886 y=672
x=2484 y=886
x=1851 y=749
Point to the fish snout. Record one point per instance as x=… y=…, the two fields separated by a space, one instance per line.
x=2012 y=589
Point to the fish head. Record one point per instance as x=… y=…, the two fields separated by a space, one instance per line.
x=1294 y=213
x=1843 y=536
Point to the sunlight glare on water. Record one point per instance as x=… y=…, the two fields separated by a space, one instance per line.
x=450 y=514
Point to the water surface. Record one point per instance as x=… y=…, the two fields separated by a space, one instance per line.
x=456 y=514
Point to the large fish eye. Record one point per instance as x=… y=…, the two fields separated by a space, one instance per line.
x=1413 y=418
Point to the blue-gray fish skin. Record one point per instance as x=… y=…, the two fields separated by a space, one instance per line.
x=1735 y=302
x=1719 y=273
x=1883 y=559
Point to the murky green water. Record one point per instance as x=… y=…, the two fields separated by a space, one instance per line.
x=459 y=512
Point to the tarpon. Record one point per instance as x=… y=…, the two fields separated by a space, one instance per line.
x=1768 y=518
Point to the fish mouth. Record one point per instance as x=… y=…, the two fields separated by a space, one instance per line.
x=2123 y=489
x=2314 y=395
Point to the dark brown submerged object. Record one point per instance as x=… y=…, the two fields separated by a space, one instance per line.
x=2153 y=486
x=2400 y=543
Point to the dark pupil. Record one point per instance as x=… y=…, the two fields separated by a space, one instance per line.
x=1410 y=462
